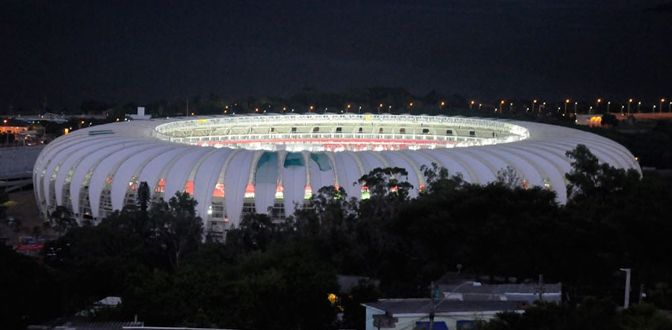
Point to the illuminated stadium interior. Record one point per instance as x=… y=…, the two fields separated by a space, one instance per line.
x=350 y=132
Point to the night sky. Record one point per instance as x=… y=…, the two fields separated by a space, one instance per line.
x=66 y=52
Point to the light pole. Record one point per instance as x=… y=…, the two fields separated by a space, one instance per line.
x=639 y=105
x=566 y=103
x=608 y=106
x=501 y=104
x=534 y=103
x=661 y=105
x=597 y=105
x=576 y=104
x=626 y=299
x=629 y=105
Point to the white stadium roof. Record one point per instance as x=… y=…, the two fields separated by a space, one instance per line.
x=274 y=161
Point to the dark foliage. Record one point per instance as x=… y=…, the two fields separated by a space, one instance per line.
x=278 y=275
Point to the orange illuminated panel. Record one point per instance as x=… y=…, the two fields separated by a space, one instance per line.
x=279 y=192
x=249 y=191
x=189 y=187
x=307 y=192
x=219 y=190
x=161 y=186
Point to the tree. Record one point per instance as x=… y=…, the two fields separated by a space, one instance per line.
x=609 y=120
x=387 y=189
x=143 y=197
x=177 y=227
x=61 y=220
x=591 y=179
x=509 y=177
x=4 y=201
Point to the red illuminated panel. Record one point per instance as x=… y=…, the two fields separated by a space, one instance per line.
x=189 y=187
x=219 y=190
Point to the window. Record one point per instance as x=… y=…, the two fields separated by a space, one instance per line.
x=339 y=129
x=293 y=129
x=425 y=131
x=472 y=133
x=449 y=132
x=402 y=131
x=316 y=129
x=360 y=130
x=380 y=130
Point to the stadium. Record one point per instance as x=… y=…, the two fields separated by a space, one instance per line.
x=271 y=163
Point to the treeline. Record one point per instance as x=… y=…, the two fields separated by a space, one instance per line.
x=271 y=275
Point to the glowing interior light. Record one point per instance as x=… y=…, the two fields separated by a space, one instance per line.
x=132 y=185
x=422 y=187
x=279 y=192
x=307 y=192
x=161 y=186
x=365 y=193
x=189 y=187
x=394 y=189
x=249 y=191
x=219 y=190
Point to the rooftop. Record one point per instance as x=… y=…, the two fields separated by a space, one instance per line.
x=424 y=306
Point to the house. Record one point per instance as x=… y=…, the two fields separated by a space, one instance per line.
x=447 y=314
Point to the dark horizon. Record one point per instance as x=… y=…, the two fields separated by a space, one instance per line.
x=64 y=53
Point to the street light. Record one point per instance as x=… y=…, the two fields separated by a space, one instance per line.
x=501 y=104
x=639 y=105
x=608 y=106
x=597 y=105
x=575 y=106
x=661 y=104
x=566 y=103
x=629 y=105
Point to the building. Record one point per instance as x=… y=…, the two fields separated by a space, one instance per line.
x=416 y=313
x=237 y=164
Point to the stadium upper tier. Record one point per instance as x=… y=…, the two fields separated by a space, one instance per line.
x=339 y=132
x=238 y=164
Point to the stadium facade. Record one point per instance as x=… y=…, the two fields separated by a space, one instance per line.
x=237 y=164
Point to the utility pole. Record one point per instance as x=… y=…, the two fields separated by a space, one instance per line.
x=541 y=287
x=626 y=299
